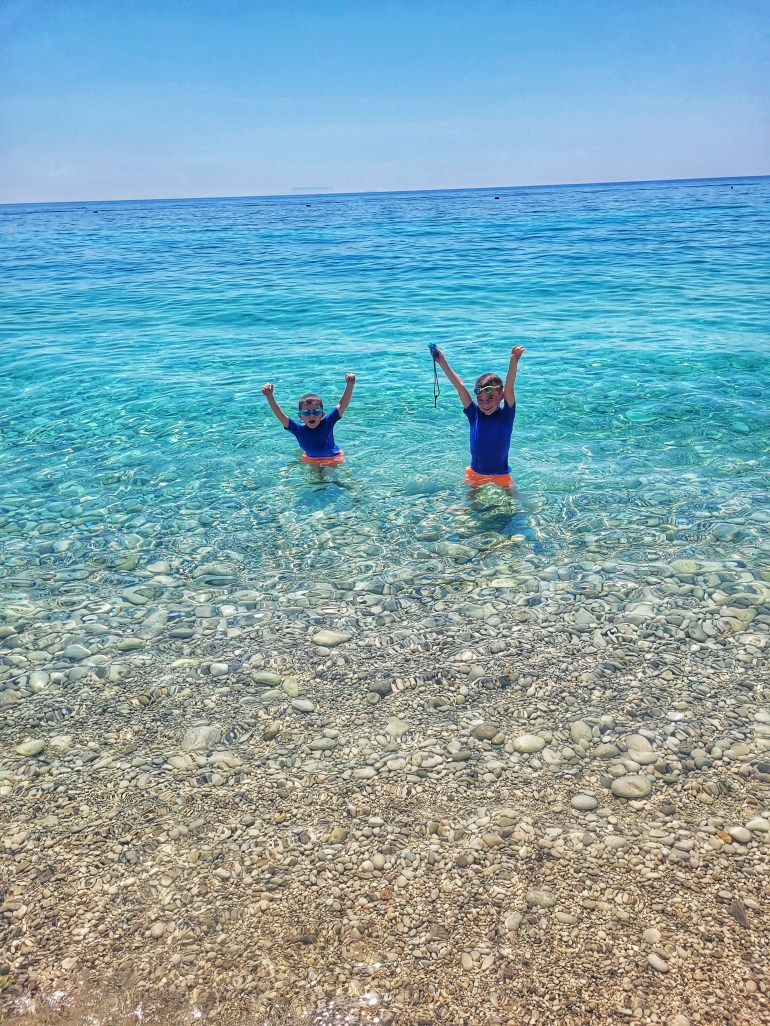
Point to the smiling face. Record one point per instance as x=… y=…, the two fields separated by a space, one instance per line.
x=311 y=411
x=488 y=393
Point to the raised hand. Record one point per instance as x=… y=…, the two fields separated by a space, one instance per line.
x=267 y=389
x=517 y=352
x=350 y=379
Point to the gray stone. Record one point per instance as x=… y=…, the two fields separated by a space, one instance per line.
x=580 y=731
x=381 y=687
x=643 y=758
x=485 y=731
x=565 y=918
x=323 y=744
x=740 y=834
x=330 y=639
x=30 y=748
x=76 y=652
x=657 y=963
x=303 y=705
x=583 y=803
x=540 y=899
x=606 y=750
x=290 y=687
x=201 y=737
x=528 y=743
x=396 y=727
x=637 y=743
x=634 y=785
x=265 y=677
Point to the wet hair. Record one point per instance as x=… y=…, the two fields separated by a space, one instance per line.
x=489 y=379
x=311 y=397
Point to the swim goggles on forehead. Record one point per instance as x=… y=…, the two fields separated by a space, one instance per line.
x=311 y=413
x=486 y=390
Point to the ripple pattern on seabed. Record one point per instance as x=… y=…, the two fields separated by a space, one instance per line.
x=160 y=538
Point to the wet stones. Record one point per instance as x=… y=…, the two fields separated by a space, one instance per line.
x=290 y=687
x=76 y=652
x=330 y=639
x=265 y=677
x=201 y=737
x=30 y=749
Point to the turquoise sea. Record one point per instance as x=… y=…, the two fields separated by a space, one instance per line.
x=136 y=337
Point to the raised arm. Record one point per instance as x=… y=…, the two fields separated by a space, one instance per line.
x=267 y=392
x=510 y=378
x=465 y=397
x=342 y=405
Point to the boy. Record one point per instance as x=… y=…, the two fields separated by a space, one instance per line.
x=315 y=431
x=490 y=418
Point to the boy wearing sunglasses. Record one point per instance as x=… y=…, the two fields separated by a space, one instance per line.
x=314 y=431
x=490 y=418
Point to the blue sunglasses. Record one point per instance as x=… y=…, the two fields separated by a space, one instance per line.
x=311 y=413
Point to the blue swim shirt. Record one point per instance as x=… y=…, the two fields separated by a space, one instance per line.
x=490 y=438
x=317 y=441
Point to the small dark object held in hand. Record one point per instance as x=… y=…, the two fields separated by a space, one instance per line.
x=436 y=390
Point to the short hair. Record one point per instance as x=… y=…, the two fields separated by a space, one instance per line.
x=489 y=379
x=310 y=397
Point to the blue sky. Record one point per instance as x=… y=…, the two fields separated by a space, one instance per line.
x=123 y=99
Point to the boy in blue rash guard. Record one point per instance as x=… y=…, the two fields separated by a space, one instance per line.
x=490 y=418
x=314 y=431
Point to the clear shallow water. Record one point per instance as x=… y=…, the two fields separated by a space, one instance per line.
x=137 y=337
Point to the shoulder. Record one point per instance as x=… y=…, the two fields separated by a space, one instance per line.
x=471 y=411
x=293 y=426
x=334 y=416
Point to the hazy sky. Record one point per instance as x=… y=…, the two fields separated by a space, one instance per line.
x=115 y=99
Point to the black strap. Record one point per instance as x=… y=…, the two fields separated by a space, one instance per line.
x=436 y=389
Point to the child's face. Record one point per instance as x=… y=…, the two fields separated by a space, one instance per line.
x=489 y=398
x=311 y=413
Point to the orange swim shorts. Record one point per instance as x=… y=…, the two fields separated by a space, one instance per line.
x=324 y=461
x=474 y=480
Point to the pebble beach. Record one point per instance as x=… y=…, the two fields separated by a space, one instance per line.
x=486 y=814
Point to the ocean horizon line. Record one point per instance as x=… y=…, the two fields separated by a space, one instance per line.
x=326 y=194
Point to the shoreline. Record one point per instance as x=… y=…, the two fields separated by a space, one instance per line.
x=414 y=821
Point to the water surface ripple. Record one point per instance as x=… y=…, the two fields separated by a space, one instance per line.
x=137 y=336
